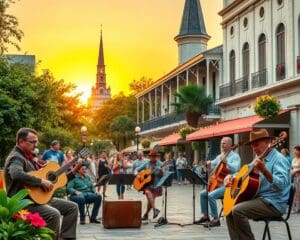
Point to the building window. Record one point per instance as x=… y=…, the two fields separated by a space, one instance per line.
x=231 y=30
x=262 y=52
x=246 y=59
x=262 y=12
x=232 y=66
x=280 y=36
x=245 y=23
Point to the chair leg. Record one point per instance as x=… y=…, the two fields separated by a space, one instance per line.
x=266 y=231
x=288 y=230
x=87 y=212
x=221 y=213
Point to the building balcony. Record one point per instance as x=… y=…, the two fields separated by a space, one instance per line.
x=241 y=85
x=280 y=71
x=259 y=79
x=298 y=64
x=171 y=119
x=226 y=90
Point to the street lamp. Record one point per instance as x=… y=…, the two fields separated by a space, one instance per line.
x=137 y=131
x=83 y=131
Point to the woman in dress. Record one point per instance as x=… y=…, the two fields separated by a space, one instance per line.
x=295 y=172
x=119 y=167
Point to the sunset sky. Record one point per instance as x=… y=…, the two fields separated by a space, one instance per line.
x=137 y=34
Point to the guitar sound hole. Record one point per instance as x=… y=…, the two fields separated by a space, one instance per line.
x=51 y=177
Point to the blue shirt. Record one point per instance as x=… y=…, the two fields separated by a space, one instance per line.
x=137 y=163
x=233 y=162
x=154 y=168
x=276 y=193
x=54 y=156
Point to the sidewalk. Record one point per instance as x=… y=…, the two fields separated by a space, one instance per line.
x=179 y=210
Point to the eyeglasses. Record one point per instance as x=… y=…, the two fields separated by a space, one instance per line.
x=32 y=141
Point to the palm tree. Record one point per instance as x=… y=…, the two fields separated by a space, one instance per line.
x=192 y=101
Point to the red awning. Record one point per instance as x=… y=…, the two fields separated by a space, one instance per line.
x=225 y=128
x=169 y=140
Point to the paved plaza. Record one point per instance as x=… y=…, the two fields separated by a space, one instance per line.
x=179 y=210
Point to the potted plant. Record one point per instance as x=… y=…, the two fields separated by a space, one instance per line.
x=192 y=101
x=185 y=131
x=145 y=143
x=267 y=107
x=17 y=223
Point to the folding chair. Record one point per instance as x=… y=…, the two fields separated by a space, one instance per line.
x=285 y=219
x=87 y=210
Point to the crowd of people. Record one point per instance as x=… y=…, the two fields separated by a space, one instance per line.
x=86 y=181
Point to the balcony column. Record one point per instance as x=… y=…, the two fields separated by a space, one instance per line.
x=155 y=102
x=162 y=101
x=150 y=105
x=177 y=82
x=138 y=110
x=294 y=131
x=143 y=110
x=207 y=77
x=187 y=77
x=197 y=76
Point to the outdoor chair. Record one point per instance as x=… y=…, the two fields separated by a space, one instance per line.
x=285 y=219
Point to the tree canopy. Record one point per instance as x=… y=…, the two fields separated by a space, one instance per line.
x=137 y=86
x=10 y=34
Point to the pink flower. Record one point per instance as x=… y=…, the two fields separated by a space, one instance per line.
x=22 y=214
x=36 y=220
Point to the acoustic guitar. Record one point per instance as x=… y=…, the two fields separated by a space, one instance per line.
x=54 y=173
x=145 y=177
x=245 y=184
x=216 y=177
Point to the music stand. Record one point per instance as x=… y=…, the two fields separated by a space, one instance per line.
x=165 y=181
x=194 y=179
x=126 y=179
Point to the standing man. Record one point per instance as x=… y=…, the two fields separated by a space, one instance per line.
x=17 y=165
x=272 y=197
x=140 y=160
x=83 y=191
x=150 y=190
x=54 y=154
x=181 y=163
x=233 y=164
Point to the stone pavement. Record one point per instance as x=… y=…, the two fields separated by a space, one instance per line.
x=179 y=210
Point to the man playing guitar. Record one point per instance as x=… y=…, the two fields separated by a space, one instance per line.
x=233 y=162
x=17 y=165
x=150 y=190
x=271 y=199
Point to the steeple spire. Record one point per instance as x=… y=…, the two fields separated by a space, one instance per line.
x=101 y=52
x=192 y=38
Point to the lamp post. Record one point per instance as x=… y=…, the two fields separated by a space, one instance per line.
x=137 y=131
x=83 y=131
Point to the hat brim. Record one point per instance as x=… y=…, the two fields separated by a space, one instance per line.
x=248 y=143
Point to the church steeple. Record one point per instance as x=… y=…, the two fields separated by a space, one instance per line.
x=100 y=92
x=192 y=38
x=101 y=76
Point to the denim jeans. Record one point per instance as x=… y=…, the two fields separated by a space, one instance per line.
x=120 y=189
x=212 y=197
x=81 y=200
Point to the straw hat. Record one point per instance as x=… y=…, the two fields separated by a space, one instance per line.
x=153 y=152
x=258 y=134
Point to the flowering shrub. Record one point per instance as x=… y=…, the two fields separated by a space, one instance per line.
x=185 y=131
x=17 y=223
x=267 y=107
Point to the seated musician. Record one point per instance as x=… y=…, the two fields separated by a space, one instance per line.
x=233 y=163
x=151 y=191
x=17 y=165
x=271 y=199
x=83 y=191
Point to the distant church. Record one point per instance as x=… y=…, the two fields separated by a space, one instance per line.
x=100 y=92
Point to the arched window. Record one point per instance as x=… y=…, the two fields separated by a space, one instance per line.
x=246 y=59
x=262 y=52
x=232 y=66
x=280 y=36
x=280 y=39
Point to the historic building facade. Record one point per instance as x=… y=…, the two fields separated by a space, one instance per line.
x=100 y=92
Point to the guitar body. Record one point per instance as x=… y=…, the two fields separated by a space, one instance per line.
x=37 y=194
x=217 y=178
x=245 y=186
x=144 y=178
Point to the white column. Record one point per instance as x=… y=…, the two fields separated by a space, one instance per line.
x=197 y=76
x=155 y=111
x=162 y=110
x=150 y=105
x=177 y=79
x=187 y=77
x=143 y=116
x=295 y=128
x=207 y=78
x=137 y=111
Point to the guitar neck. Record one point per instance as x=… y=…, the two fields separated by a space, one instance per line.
x=66 y=167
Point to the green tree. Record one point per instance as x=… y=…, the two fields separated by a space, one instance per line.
x=10 y=34
x=122 y=129
x=137 y=86
x=118 y=105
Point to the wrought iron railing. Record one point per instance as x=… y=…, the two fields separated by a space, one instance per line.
x=259 y=79
x=241 y=85
x=226 y=90
x=280 y=71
